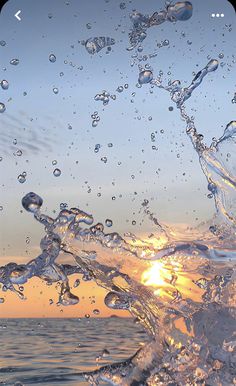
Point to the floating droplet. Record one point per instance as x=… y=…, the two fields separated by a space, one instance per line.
x=116 y=301
x=55 y=90
x=54 y=162
x=2 y=43
x=108 y=222
x=32 y=202
x=21 y=178
x=14 y=62
x=180 y=11
x=165 y=42
x=212 y=65
x=52 y=58
x=96 y=311
x=4 y=84
x=57 y=172
x=2 y=107
x=145 y=76
x=76 y=283
x=120 y=89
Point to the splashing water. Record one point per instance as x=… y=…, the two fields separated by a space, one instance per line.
x=180 y=11
x=94 y=45
x=181 y=289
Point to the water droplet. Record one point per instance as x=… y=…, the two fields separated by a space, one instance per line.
x=21 y=178
x=2 y=43
x=165 y=42
x=221 y=55
x=171 y=108
x=54 y=162
x=120 y=89
x=108 y=223
x=145 y=76
x=57 y=172
x=87 y=316
x=14 y=62
x=4 y=84
x=55 y=90
x=2 y=107
x=212 y=65
x=96 y=311
x=2 y=300
x=104 y=159
x=52 y=58
x=179 y=11
x=76 y=283
x=31 y=202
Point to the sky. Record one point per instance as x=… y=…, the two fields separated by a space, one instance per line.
x=45 y=127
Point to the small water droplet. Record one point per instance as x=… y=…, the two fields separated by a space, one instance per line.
x=55 y=90
x=52 y=58
x=21 y=178
x=2 y=107
x=2 y=43
x=57 y=172
x=14 y=62
x=108 y=222
x=4 y=84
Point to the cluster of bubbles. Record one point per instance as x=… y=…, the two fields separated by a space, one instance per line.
x=105 y=96
x=95 y=119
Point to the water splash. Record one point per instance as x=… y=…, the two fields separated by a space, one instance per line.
x=94 y=45
x=180 y=11
x=181 y=289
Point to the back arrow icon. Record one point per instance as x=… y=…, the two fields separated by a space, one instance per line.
x=17 y=15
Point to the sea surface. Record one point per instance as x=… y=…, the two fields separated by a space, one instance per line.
x=55 y=351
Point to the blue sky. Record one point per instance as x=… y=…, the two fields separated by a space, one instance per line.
x=170 y=177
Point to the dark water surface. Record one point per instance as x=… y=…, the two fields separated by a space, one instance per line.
x=54 y=351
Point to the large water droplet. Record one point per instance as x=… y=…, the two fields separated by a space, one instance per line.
x=117 y=301
x=4 y=84
x=145 y=76
x=32 y=202
x=180 y=11
x=212 y=65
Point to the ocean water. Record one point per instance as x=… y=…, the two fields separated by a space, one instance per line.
x=56 y=351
